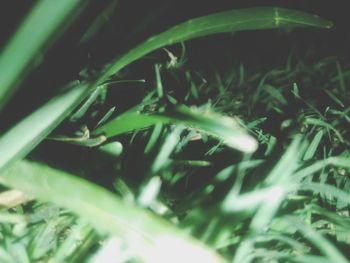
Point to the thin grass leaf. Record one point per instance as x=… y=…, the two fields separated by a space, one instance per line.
x=23 y=137
x=334 y=98
x=310 y=259
x=287 y=164
x=268 y=209
x=328 y=190
x=91 y=99
x=78 y=234
x=224 y=128
x=297 y=246
x=105 y=117
x=275 y=93
x=311 y=150
x=315 y=167
x=45 y=23
x=169 y=145
x=229 y=21
x=154 y=239
x=251 y=201
x=149 y=192
x=244 y=251
x=44 y=242
x=332 y=217
x=325 y=246
x=160 y=91
x=324 y=124
x=103 y=17
x=157 y=130
x=341 y=77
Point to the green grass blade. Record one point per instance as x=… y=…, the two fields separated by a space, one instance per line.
x=154 y=239
x=328 y=190
x=224 y=128
x=321 y=123
x=45 y=23
x=23 y=137
x=225 y=22
x=317 y=166
x=229 y=21
x=325 y=246
x=311 y=150
x=288 y=163
x=217 y=23
x=95 y=27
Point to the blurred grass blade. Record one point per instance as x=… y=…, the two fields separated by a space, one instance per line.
x=45 y=23
x=288 y=163
x=80 y=232
x=23 y=137
x=224 y=128
x=229 y=21
x=321 y=123
x=154 y=239
x=328 y=190
x=324 y=246
x=316 y=166
x=169 y=145
x=95 y=27
x=311 y=150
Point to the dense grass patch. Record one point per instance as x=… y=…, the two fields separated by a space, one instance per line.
x=156 y=156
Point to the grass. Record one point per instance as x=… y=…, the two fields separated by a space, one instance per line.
x=242 y=166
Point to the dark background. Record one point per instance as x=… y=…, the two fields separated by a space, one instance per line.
x=127 y=27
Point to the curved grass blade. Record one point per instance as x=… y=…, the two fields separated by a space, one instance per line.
x=218 y=23
x=229 y=21
x=23 y=137
x=224 y=128
x=323 y=244
x=45 y=23
x=154 y=239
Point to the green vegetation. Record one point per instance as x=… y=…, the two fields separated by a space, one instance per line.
x=243 y=166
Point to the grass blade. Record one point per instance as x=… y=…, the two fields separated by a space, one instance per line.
x=311 y=150
x=224 y=128
x=229 y=21
x=23 y=137
x=328 y=190
x=45 y=23
x=325 y=246
x=154 y=239
x=255 y=18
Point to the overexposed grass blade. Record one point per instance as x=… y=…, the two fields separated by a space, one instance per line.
x=153 y=239
x=222 y=127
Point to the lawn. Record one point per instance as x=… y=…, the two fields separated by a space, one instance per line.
x=163 y=134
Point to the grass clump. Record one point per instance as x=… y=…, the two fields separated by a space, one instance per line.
x=231 y=165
